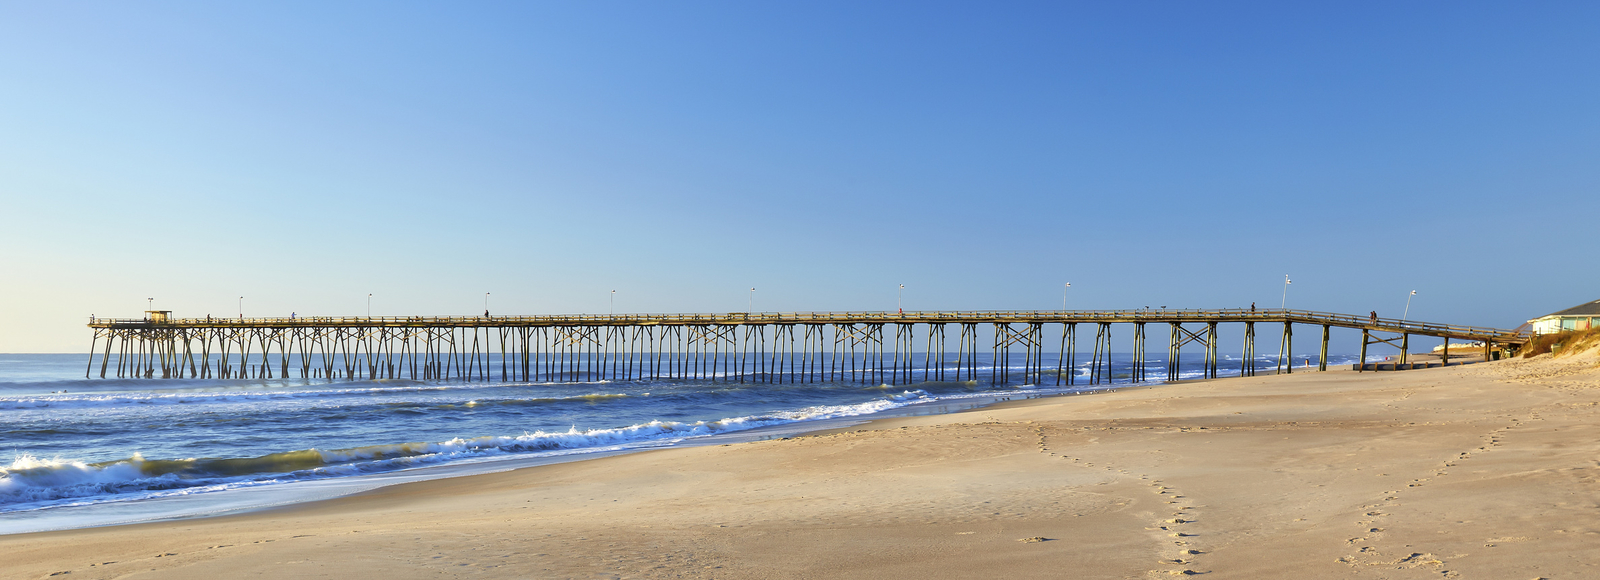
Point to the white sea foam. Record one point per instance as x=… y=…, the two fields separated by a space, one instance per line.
x=103 y=400
x=259 y=419
x=30 y=482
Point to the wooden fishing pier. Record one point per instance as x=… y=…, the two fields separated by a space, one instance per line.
x=744 y=347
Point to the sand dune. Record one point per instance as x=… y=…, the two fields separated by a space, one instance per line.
x=1481 y=471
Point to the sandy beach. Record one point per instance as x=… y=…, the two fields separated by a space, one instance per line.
x=1479 y=471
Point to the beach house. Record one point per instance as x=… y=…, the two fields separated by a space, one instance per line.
x=1580 y=317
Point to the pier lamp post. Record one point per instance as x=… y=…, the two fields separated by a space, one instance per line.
x=241 y=307
x=752 y=303
x=150 y=303
x=1285 y=303
x=899 y=299
x=1408 y=307
x=613 y=302
x=369 y=305
x=1064 y=288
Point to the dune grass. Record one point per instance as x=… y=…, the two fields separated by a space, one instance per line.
x=1562 y=343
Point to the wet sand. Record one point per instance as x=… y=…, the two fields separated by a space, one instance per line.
x=1480 y=471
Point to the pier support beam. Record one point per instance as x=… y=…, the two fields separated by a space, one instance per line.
x=1181 y=337
x=1102 y=355
x=1366 y=338
x=1322 y=360
x=1247 y=367
x=1286 y=350
x=1175 y=350
x=1065 y=361
x=1136 y=374
x=1211 y=350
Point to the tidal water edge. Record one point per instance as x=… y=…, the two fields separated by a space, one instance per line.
x=86 y=452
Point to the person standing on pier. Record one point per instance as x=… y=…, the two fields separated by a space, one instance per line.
x=1374 y=317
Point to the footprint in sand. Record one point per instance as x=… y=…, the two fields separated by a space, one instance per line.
x=1182 y=519
x=1368 y=555
x=1184 y=516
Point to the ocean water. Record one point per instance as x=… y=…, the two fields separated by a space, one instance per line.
x=78 y=452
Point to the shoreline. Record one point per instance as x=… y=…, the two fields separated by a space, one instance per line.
x=1481 y=470
x=239 y=501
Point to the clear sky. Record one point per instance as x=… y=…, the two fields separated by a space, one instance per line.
x=1180 y=154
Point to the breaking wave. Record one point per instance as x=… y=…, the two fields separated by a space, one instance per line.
x=31 y=482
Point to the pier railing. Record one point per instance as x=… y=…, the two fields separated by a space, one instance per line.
x=849 y=317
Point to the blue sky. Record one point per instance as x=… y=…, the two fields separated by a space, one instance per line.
x=1182 y=154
